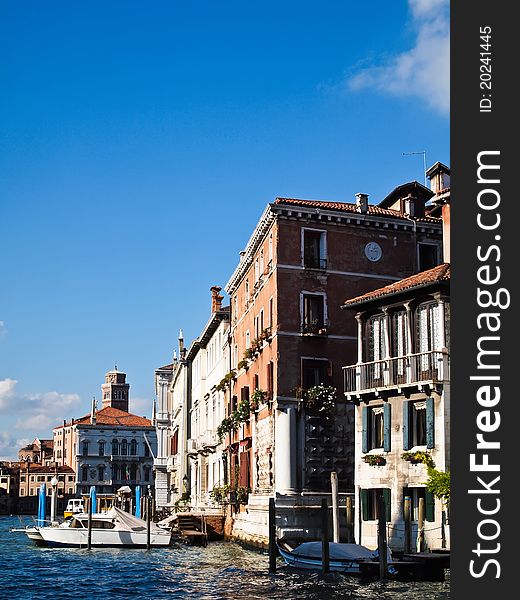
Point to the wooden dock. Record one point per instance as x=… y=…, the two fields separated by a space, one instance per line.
x=189 y=529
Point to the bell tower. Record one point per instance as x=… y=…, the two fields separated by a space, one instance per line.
x=115 y=390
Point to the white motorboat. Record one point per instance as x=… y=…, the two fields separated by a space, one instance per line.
x=343 y=558
x=114 y=528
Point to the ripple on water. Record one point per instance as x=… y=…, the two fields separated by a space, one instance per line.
x=222 y=571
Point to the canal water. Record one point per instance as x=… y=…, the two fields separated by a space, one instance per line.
x=221 y=571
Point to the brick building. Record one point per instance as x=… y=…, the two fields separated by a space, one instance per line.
x=288 y=335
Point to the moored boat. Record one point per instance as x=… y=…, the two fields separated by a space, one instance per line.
x=114 y=528
x=343 y=558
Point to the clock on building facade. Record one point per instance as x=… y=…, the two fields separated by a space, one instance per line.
x=373 y=251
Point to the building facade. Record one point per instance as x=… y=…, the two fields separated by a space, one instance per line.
x=400 y=386
x=172 y=385
x=209 y=360
x=39 y=451
x=289 y=336
x=111 y=447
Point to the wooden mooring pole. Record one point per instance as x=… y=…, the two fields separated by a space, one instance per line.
x=381 y=538
x=273 y=551
x=148 y=517
x=420 y=532
x=89 y=530
x=350 y=520
x=335 y=511
x=407 y=524
x=324 y=536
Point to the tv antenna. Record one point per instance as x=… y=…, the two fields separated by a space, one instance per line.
x=423 y=152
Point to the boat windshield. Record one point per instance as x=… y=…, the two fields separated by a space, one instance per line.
x=76 y=524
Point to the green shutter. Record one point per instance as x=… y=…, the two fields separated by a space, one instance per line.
x=406 y=426
x=387 y=495
x=364 y=440
x=430 y=423
x=387 y=422
x=364 y=503
x=429 y=506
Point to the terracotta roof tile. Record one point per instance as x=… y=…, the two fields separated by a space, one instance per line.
x=113 y=416
x=438 y=273
x=348 y=207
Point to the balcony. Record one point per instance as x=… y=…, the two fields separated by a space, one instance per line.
x=172 y=463
x=311 y=262
x=207 y=442
x=314 y=328
x=396 y=373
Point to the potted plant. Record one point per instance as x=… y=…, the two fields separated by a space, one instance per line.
x=417 y=457
x=243 y=364
x=321 y=399
x=257 y=397
x=375 y=460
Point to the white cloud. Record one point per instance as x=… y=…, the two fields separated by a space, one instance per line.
x=424 y=70
x=39 y=412
x=9 y=445
x=7 y=395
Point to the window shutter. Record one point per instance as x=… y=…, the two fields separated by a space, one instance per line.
x=364 y=503
x=406 y=426
x=387 y=495
x=429 y=506
x=387 y=423
x=430 y=423
x=364 y=440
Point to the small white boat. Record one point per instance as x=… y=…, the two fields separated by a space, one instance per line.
x=114 y=528
x=343 y=558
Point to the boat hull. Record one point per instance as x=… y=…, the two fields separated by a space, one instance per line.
x=350 y=567
x=108 y=538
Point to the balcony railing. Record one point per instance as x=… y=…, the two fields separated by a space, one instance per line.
x=208 y=439
x=396 y=372
x=314 y=328
x=310 y=262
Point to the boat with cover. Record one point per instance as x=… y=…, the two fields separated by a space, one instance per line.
x=114 y=528
x=343 y=558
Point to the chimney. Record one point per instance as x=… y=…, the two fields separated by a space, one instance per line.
x=362 y=203
x=409 y=205
x=93 y=412
x=439 y=176
x=182 y=349
x=216 y=299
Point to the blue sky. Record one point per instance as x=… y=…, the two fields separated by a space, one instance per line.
x=140 y=144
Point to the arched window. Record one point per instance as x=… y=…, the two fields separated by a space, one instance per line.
x=133 y=448
x=146 y=449
x=146 y=471
x=84 y=448
x=124 y=447
x=101 y=445
x=114 y=472
x=115 y=447
x=101 y=472
x=84 y=473
x=133 y=471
